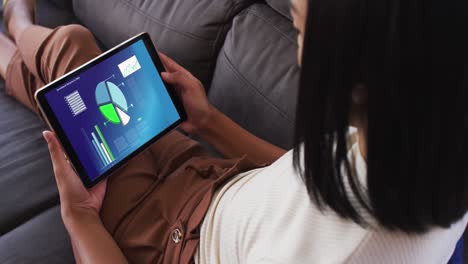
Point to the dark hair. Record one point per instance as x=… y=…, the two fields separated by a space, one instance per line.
x=412 y=56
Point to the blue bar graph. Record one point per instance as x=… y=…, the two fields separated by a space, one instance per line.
x=104 y=161
x=100 y=150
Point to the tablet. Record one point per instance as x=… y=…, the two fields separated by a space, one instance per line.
x=110 y=109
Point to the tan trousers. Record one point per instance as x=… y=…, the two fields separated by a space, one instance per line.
x=153 y=205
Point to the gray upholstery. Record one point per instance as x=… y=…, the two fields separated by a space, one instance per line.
x=26 y=179
x=281 y=6
x=31 y=230
x=53 y=13
x=64 y=5
x=246 y=50
x=255 y=80
x=254 y=67
x=43 y=239
x=190 y=31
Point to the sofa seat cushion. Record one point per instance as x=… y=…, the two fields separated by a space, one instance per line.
x=43 y=239
x=31 y=229
x=27 y=184
x=256 y=77
x=190 y=31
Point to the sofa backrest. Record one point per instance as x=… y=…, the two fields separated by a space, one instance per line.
x=190 y=31
x=65 y=5
x=256 y=76
x=281 y=6
x=244 y=51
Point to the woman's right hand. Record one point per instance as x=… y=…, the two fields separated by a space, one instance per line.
x=192 y=93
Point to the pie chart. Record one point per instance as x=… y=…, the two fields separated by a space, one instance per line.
x=112 y=103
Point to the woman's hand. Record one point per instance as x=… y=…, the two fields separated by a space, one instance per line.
x=75 y=199
x=91 y=242
x=205 y=121
x=192 y=93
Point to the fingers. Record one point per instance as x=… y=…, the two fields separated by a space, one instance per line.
x=178 y=79
x=164 y=60
x=170 y=64
x=56 y=153
x=59 y=161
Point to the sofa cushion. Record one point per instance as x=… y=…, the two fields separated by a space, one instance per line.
x=281 y=6
x=190 y=31
x=256 y=77
x=53 y=13
x=63 y=5
x=27 y=185
x=43 y=239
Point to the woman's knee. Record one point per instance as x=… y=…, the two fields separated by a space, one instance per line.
x=71 y=46
x=75 y=34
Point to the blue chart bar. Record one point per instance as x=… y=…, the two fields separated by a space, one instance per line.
x=99 y=152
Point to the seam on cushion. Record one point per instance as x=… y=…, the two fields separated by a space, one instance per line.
x=279 y=11
x=239 y=75
x=161 y=23
x=222 y=29
x=267 y=21
x=242 y=13
x=50 y=204
x=228 y=24
x=223 y=32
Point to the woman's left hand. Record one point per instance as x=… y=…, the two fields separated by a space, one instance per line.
x=192 y=93
x=74 y=197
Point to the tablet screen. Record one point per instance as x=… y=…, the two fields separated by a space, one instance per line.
x=113 y=108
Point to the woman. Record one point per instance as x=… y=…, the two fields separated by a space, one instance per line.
x=398 y=193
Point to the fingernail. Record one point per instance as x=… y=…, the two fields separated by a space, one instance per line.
x=164 y=74
x=45 y=134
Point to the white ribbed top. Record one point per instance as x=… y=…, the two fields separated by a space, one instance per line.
x=266 y=216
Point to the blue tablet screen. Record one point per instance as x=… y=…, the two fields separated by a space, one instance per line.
x=113 y=108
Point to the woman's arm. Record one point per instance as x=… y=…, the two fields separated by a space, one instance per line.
x=76 y=253
x=211 y=125
x=80 y=212
x=232 y=140
x=91 y=241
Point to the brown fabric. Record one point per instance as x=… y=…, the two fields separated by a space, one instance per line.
x=156 y=203
x=166 y=189
x=43 y=55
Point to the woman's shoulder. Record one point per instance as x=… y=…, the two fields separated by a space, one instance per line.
x=274 y=204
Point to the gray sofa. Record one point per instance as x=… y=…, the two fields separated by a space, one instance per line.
x=244 y=51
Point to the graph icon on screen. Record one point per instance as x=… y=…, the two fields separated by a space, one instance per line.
x=112 y=103
x=101 y=147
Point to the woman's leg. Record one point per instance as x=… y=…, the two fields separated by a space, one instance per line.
x=7 y=50
x=43 y=55
x=129 y=186
x=18 y=15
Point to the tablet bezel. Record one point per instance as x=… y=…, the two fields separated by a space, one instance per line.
x=54 y=124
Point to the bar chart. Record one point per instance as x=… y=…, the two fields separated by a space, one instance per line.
x=101 y=147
